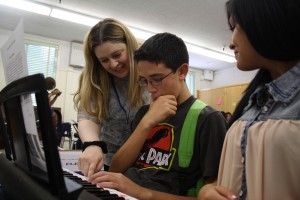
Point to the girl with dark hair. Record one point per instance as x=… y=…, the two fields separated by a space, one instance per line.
x=261 y=158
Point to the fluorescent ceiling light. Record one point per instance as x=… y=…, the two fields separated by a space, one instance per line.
x=90 y=21
x=73 y=17
x=210 y=53
x=144 y=35
x=27 y=6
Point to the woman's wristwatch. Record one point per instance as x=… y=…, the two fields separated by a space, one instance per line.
x=97 y=143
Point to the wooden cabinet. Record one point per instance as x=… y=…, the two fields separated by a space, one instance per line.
x=224 y=98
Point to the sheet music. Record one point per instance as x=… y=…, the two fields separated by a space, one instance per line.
x=14 y=56
x=37 y=153
x=15 y=66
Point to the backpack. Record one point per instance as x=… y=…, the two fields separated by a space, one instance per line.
x=186 y=143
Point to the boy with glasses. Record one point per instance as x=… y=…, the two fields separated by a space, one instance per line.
x=149 y=158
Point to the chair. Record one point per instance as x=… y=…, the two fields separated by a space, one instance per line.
x=64 y=131
x=77 y=144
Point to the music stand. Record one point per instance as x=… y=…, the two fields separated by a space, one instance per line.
x=32 y=145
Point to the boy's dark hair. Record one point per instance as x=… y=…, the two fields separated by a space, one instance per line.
x=163 y=48
x=50 y=83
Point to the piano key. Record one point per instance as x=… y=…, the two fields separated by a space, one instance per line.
x=103 y=193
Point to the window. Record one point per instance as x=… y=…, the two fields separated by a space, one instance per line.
x=41 y=58
x=190 y=81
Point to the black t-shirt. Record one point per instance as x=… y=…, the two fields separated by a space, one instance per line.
x=157 y=164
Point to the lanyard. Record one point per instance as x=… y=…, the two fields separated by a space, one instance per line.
x=119 y=101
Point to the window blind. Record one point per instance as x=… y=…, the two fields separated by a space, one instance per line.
x=41 y=58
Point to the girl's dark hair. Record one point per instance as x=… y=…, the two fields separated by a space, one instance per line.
x=271 y=27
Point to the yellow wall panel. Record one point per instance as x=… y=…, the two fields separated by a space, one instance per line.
x=224 y=98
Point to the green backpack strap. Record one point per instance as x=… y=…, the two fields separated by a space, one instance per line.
x=188 y=132
x=193 y=192
x=187 y=139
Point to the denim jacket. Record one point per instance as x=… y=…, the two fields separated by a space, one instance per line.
x=261 y=148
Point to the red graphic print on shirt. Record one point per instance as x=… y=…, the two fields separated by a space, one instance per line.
x=158 y=151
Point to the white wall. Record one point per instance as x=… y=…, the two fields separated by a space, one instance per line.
x=231 y=76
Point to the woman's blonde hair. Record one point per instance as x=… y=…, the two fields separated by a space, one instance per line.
x=94 y=81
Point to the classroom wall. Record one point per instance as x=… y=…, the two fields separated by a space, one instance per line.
x=67 y=77
x=232 y=76
x=227 y=77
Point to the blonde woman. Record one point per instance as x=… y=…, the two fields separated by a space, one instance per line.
x=108 y=96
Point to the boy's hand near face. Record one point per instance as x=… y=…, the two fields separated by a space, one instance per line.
x=160 y=109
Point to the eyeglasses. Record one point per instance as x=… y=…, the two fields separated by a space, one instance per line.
x=153 y=82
